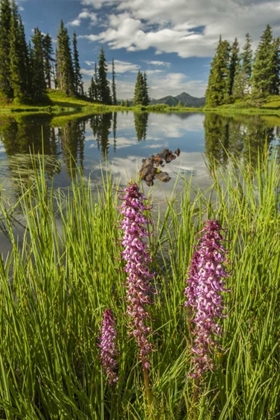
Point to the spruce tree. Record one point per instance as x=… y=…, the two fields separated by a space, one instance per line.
x=141 y=96
x=64 y=64
x=92 y=90
x=6 y=90
x=104 y=94
x=217 y=90
x=17 y=72
x=275 y=85
x=242 y=80
x=37 y=63
x=264 y=66
x=48 y=60
x=78 y=83
x=146 y=99
x=233 y=67
x=114 y=93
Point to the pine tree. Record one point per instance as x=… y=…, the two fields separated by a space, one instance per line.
x=275 y=85
x=48 y=60
x=217 y=90
x=141 y=96
x=78 y=83
x=104 y=94
x=64 y=65
x=92 y=90
x=17 y=72
x=138 y=90
x=6 y=90
x=38 y=71
x=264 y=66
x=233 y=67
x=242 y=80
x=114 y=93
x=146 y=99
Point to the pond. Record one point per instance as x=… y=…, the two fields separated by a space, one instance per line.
x=118 y=142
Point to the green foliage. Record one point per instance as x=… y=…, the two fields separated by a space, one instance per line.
x=114 y=92
x=6 y=90
x=141 y=96
x=78 y=84
x=38 y=87
x=64 y=65
x=103 y=88
x=265 y=77
x=218 y=84
x=65 y=274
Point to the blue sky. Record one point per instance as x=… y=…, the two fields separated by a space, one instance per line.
x=172 y=40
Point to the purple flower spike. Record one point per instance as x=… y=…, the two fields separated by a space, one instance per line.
x=137 y=260
x=203 y=293
x=107 y=344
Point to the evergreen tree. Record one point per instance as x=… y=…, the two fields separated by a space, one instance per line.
x=24 y=60
x=17 y=72
x=141 y=96
x=104 y=94
x=275 y=85
x=146 y=99
x=242 y=80
x=92 y=90
x=263 y=77
x=217 y=90
x=233 y=67
x=114 y=93
x=78 y=84
x=6 y=90
x=64 y=65
x=48 y=60
x=38 y=71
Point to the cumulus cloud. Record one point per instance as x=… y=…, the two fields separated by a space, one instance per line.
x=125 y=66
x=180 y=26
x=157 y=63
x=85 y=14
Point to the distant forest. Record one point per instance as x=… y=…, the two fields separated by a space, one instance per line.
x=236 y=75
x=28 y=70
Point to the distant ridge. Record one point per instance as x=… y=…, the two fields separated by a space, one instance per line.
x=184 y=98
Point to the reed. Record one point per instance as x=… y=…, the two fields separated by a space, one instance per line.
x=57 y=283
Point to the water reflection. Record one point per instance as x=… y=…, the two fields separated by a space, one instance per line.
x=116 y=140
x=141 y=124
x=242 y=137
x=71 y=137
x=101 y=126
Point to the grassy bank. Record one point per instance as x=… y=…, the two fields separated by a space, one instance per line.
x=60 y=104
x=57 y=282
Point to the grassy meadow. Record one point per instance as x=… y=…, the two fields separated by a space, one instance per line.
x=57 y=282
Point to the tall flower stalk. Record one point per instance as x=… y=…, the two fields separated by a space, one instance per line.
x=108 y=352
x=137 y=258
x=204 y=295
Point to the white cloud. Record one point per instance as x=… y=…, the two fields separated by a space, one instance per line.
x=186 y=27
x=90 y=63
x=157 y=63
x=125 y=66
x=85 y=14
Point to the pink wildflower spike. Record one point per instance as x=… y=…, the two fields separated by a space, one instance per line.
x=107 y=345
x=137 y=260
x=203 y=293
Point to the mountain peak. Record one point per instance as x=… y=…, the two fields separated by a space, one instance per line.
x=184 y=98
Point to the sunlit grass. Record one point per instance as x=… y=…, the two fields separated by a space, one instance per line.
x=56 y=284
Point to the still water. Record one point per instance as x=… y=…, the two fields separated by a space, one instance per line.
x=118 y=142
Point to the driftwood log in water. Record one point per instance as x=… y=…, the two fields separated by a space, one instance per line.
x=150 y=166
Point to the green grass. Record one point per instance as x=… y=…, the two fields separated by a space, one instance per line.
x=57 y=282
